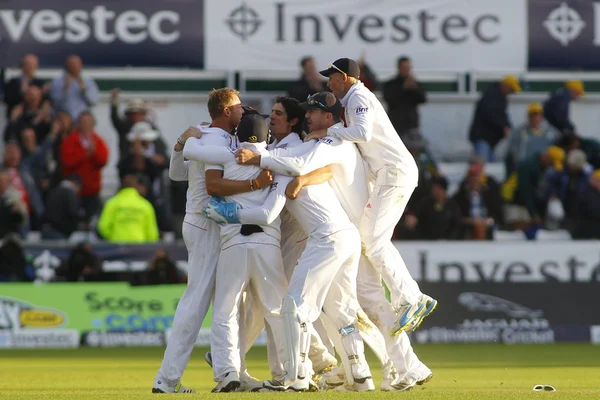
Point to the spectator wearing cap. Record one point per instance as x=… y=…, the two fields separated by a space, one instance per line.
x=403 y=95
x=15 y=89
x=141 y=155
x=557 y=107
x=587 y=222
x=566 y=184
x=63 y=209
x=136 y=111
x=490 y=120
x=72 y=91
x=127 y=217
x=534 y=136
x=591 y=147
x=310 y=81
x=13 y=210
x=479 y=201
x=519 y=191
x=84 y=153
x=437 y=217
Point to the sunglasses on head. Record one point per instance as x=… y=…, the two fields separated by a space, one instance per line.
x=546 y=388
x=311 y=101
x=332 y=65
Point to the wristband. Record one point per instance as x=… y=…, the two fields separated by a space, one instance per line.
x=251 y=186
x=255 y=184
x=180 y=141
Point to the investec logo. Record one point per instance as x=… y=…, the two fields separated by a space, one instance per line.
x=244 y=22
x=565 y=24
x=101 y=24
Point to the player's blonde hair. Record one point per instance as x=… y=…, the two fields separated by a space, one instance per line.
x=219 y=100
x=352 y=80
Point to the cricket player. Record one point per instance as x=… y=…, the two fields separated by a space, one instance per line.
x=250 y=258
x=323 y=279
x=394 y=173
x=350 y=185
x=201 y=235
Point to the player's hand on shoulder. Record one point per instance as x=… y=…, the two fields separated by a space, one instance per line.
x=192 y=131
x=245 y=156
x=318 y=134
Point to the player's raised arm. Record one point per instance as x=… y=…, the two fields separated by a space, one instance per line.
x=360 y=119
x=213 y=155
x=323 y=153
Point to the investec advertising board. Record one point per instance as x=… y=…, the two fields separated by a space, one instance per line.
x=104 y=33
x=444 y=35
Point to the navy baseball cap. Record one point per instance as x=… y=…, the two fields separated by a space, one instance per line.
x=325 y=101
x=253 y=128
x=343 y=65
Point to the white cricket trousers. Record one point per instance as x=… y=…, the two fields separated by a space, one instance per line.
x=246 y=262
x=325 y=279
x=381 y=215
x=371 y=296
x=202 y=239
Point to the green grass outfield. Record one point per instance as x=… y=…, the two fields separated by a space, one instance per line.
x=460 y=372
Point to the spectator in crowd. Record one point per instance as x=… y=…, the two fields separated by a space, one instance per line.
x=63 y=209
x=367 y=76
x=72 y=91
x=128 y=217
x=479 y=201
x=310 y=82
x=437 y=216
x=135 y=111
x=24 y=183
x=403 y=95
x=62 y=126
x=587 y=225
x=31 y=112
x=490 y=120
x=143 y=156
x=523 y=208
x=82 y=265
x=535 y=136
x=35 y=158
x=13 y=210
x=84 y=153
x=591 y=147
x=162 y=270
x=163 y=216
x=557 y=107
x=428 y=169
x=566 y=184
x=15 y=89
x=13 y=264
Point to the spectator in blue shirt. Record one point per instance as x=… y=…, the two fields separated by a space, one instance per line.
x=556 y=108
x=72 y=91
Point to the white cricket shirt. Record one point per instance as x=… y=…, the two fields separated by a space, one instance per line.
x=369 y=126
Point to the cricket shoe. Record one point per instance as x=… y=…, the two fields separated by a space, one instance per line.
x=319 y=377
x=408 y=316
x=399 y=386
x=389 y=375
x=229 y=383
x=332 y=379
x=249 y=383
x=430 y=305
x=359 y=385
x=421 y=375
x=161 y=386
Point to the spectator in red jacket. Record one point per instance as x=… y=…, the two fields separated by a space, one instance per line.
x=84 y=153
